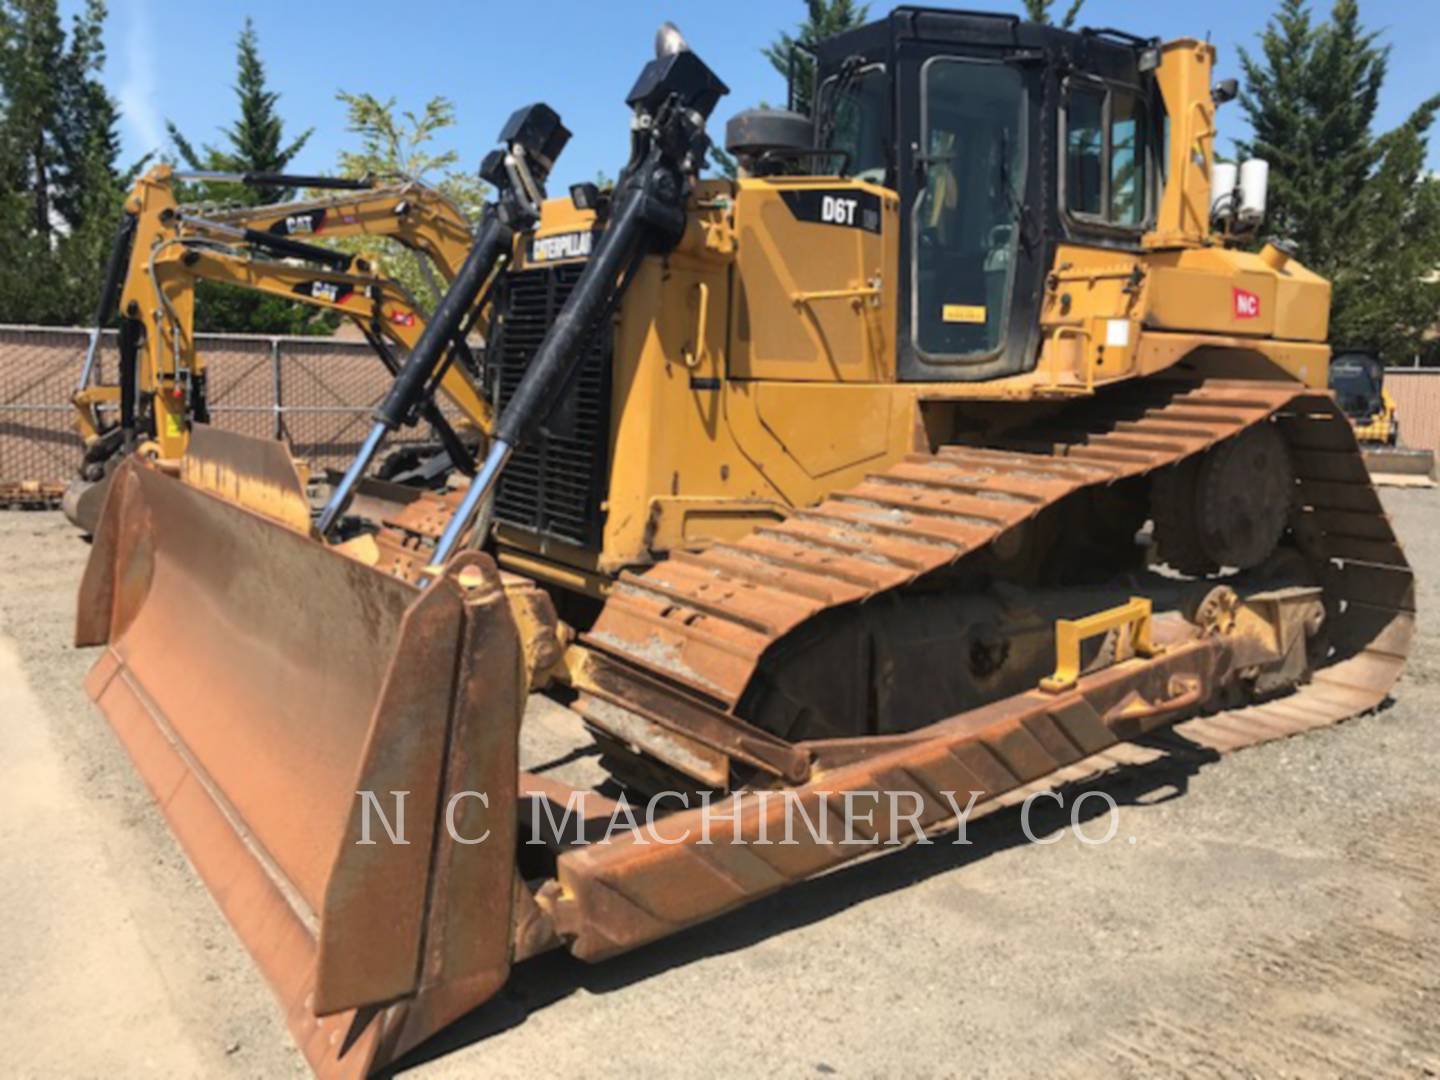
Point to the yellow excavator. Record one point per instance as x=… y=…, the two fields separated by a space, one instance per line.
x=954 y=446
x=163 y=248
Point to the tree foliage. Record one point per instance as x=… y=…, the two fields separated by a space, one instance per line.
x=823 y=19
x=255 y=142
x=60 y=187
x=1039 y=11
x=401 y=143
x=1359 y=206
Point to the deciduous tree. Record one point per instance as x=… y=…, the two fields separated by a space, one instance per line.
x=401 y=143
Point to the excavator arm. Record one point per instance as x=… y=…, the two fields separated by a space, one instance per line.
x=379 y=306
x=162 y=248
x=408 y=212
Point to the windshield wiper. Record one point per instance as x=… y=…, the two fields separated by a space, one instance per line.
x=830 y=106
x=1023 y=217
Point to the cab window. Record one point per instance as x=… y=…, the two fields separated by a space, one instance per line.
x=856 y=113
x=1108 y=155
x=1085 y=152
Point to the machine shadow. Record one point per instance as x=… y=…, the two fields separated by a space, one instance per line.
x=554 y=976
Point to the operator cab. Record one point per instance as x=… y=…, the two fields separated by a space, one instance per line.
x=961 y=114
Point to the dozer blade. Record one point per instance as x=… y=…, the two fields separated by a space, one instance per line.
x=82 y=502
x=1395 y=466
x=261 y=681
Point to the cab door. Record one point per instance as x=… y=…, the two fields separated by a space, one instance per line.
x=971 y=184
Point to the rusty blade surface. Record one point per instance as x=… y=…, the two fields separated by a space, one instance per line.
x=263 y=654
x=259 y=681
x=258 y=474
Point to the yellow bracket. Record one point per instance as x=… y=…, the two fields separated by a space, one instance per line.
x=1070 y=634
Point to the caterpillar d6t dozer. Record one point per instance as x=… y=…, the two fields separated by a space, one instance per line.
x=949 y=449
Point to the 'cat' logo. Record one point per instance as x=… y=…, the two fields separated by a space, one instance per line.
x=302 y=223
x=1247 y=304
x=332 y=292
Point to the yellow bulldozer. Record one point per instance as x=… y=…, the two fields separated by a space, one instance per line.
x=950 y=448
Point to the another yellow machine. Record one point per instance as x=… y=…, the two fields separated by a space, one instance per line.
x=1358 y=379
x=1357 y=376
x=163 y=249
x=922 y=468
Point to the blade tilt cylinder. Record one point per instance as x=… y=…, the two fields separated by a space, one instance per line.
x=533 y=135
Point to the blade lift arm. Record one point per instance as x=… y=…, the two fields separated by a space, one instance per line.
x=532 y=138
x=671 y=101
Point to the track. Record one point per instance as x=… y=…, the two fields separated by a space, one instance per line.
x=706 y=622
x=689 y=637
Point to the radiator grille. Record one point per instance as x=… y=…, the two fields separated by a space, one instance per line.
x=554 y=486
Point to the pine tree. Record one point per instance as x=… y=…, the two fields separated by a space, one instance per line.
x=255 y=139
x=1359 y=207
x=1039 y=11
x=823 y=19
x=89 y=189
x=30 y=64
x=59 y=145
x=254 y=143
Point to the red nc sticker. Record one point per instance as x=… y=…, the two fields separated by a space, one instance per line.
x=1247 y=304
x=402 y=318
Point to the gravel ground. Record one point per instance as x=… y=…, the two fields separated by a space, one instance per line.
x=1274 y=913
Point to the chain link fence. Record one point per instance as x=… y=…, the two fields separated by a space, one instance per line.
x=315 y=393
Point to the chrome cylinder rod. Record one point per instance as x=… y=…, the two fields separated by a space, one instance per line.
x=480 y=489
x=340 y=499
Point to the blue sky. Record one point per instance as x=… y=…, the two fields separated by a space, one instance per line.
x=174 y=60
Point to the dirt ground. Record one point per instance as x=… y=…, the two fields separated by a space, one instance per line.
x=1276 y=913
